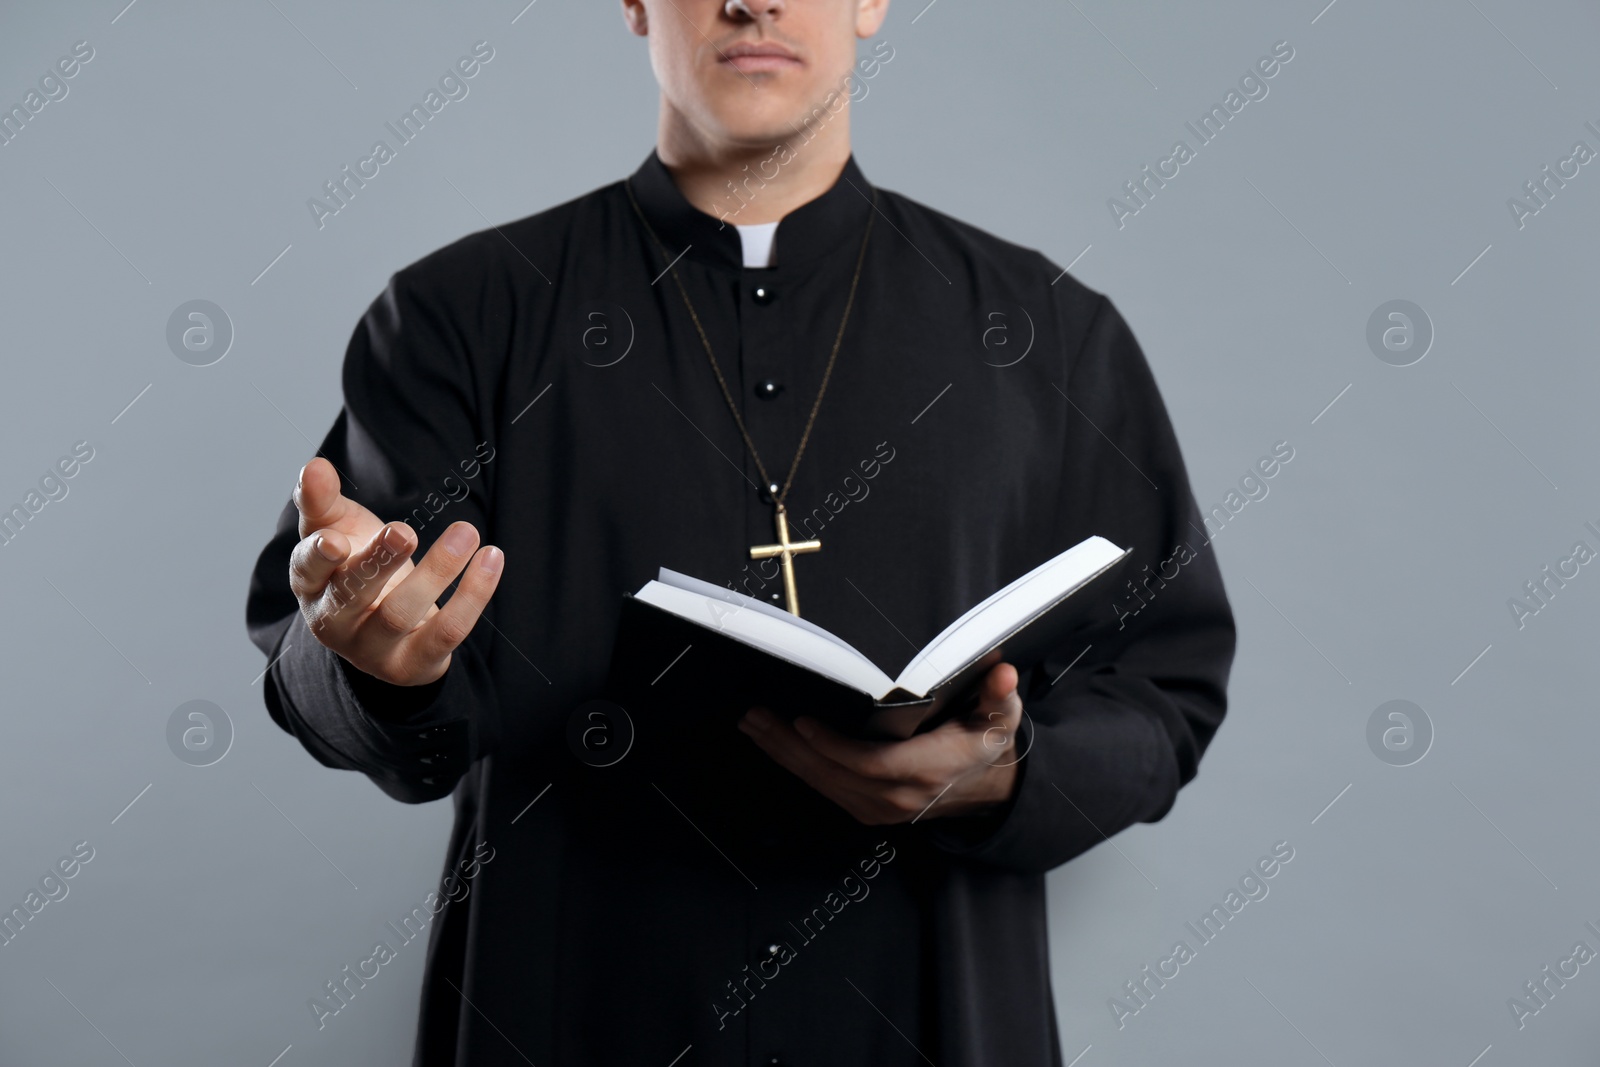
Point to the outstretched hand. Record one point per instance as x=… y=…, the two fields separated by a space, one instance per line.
x=363 y=597
x=961 y=767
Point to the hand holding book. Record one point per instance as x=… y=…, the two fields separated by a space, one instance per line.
x=965 y=766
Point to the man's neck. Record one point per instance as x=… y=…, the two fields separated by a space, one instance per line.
x=742 y=184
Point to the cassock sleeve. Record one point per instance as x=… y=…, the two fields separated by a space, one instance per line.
x=410 y=445
x=1109 y=742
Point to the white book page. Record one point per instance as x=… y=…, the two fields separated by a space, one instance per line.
x=763 y=626
x=985 y=625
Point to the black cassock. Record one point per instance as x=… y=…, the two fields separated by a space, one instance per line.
x=543 y=381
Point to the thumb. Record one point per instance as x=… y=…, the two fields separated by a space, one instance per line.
x=999 y=683
x=999 y=713
x=317 y=496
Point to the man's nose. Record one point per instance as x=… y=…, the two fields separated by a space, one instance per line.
x=753 y=9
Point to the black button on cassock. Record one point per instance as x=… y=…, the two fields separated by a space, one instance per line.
x=768 y=388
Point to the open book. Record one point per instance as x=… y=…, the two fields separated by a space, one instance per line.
x=790 y=661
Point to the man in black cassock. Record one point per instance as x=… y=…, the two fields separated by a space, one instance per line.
x=776 y=893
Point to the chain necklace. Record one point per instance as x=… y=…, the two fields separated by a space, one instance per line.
x=784 y=550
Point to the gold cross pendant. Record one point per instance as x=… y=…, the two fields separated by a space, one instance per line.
x=785 y=550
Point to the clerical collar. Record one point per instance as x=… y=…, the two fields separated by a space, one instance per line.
x=756 y=237
x=829 y=224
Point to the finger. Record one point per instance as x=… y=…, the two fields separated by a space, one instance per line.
x=318 y=497
x=407 y=603
x=789 y=750
x=993 y=726
x=451 y=624
x=362 y=577
x=884 y=761
x=998 y=701
x=999 y=683
x=867 y=800
x=314 y=561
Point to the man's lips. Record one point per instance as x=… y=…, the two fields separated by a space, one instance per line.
x=754 y=58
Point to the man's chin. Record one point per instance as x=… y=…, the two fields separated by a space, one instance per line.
x=752 y=119
x=763 y=132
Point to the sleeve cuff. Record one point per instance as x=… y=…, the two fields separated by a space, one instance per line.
x=1081 y=779
x=968 y=836
x=385 y=701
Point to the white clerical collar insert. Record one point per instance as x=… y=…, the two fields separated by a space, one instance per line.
x=757 y=241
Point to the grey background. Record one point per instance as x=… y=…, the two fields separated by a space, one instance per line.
x=1378 y=567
